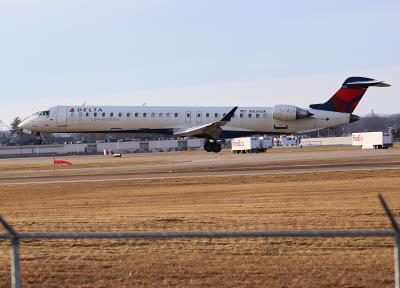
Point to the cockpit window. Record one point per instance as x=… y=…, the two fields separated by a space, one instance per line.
x=43 y=113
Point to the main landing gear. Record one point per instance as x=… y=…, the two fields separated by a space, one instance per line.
x=39 y=138
x=210 y=145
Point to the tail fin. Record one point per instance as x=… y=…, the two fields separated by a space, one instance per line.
x=349 y=95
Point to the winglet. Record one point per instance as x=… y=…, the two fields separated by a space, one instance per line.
x=228 y=116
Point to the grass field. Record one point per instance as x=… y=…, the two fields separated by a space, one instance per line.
x=313 y=200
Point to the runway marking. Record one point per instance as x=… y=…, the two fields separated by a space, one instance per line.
x=195 y=176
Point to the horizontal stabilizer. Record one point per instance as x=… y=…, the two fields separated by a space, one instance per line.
x=361 y=82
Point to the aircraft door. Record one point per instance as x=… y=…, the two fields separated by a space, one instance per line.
x=71 y=117
x=199 y=119
x=61 y=116
x=188 y=117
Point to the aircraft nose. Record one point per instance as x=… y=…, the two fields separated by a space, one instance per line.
x=22 y=125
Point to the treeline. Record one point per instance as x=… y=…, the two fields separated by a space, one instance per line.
x=369 y=123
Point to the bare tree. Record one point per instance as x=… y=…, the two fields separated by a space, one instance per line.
x=16 y=131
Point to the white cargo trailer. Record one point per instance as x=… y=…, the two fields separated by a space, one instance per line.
x=288 y=140
x=372 y=140
x=347 y=140
x=251 y=144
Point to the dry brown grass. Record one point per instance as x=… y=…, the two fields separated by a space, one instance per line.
x=332 y=200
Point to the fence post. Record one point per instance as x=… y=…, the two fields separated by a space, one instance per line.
x=15 y=267
x=397 y=261
x=396 y=228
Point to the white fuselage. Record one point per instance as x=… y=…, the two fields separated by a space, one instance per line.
x=246 y=120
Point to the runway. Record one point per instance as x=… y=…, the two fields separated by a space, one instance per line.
x=211 y=172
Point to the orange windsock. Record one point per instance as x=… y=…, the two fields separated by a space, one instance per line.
x=59 y=161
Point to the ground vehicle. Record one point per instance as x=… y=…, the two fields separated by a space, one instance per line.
x=372 y=140
x=251 y=144
x=289 y=140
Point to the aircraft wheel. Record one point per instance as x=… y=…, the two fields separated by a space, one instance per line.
x=208 y=147
x=216 y=148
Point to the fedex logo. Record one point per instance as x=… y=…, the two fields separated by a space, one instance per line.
x=238 y=143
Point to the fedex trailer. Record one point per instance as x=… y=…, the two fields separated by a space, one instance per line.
x=251 y=144
x=372 y=140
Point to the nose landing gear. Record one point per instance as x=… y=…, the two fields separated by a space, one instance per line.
x=39 y=138
x=210 y=145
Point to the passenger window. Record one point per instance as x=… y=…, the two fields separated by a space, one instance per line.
x=136 y=115
x=87 y=114
x=224 y=114
x=207 y=115
x=257 y=115
x=160 y=115
x=144 y=115
x=167 y=115
x=198 y=115
x=111 y=114
x=103 y=114
x=176 y=115
x=187 y=115
x=216 y=115
x=119 y=114
x=249 y=115
x=153 y=115
x=95 y=114
x=241 y=115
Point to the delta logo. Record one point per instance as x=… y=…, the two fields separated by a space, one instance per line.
x=89 y=109
x=72 y=110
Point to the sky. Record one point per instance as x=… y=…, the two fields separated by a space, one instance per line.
x=222 y=53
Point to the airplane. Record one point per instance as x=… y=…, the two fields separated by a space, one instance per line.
x=211 y=123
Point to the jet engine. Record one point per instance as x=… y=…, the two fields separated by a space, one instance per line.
x=289 y=113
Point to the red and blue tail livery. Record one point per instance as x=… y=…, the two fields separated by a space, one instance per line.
x=349 y=95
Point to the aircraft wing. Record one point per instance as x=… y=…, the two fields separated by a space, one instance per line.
x=211 y=129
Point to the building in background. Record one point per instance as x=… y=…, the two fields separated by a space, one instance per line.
x=107 y=148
